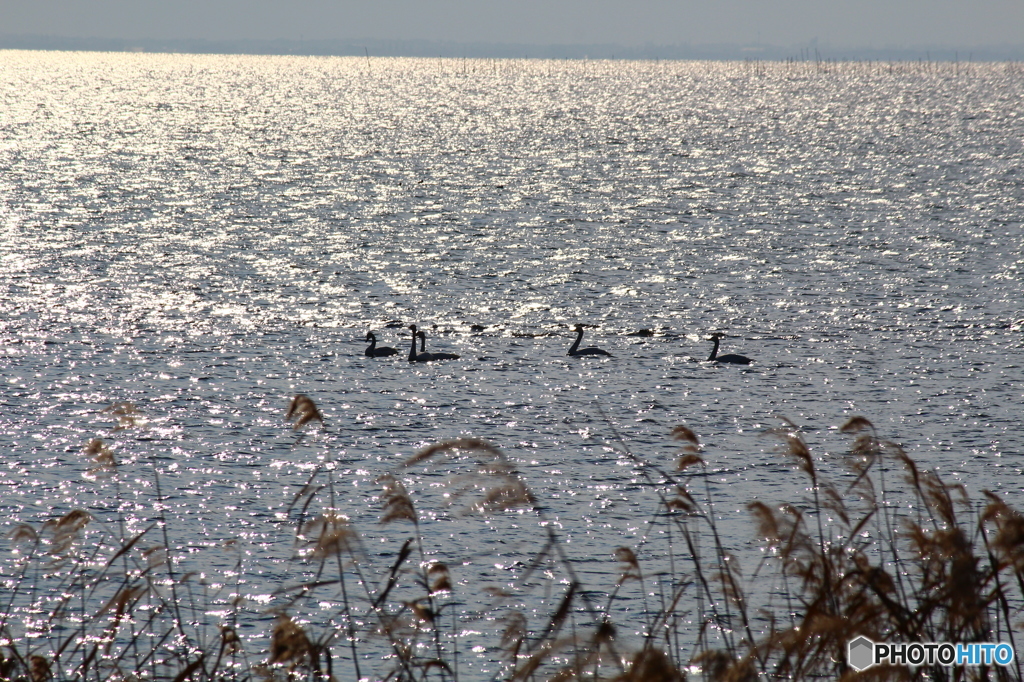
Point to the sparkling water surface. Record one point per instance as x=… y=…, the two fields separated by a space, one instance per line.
x=206 y=236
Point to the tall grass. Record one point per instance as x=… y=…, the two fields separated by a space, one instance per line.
x=82 y=600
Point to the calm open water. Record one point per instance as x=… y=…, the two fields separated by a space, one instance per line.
x=205 y=236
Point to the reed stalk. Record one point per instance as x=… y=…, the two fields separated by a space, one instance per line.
x=86 y=600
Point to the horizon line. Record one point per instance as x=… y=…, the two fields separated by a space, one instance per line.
x=343 y=47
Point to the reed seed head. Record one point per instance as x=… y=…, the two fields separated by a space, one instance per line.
x=23 y=532
x=515 y=630
x=104 y=462
x=651 y=665
x=398 y=505
x=631 y=569
x=686 y=434
x=288 y=641
x=128 y=416
x=66 y=529
x=424 y=613
x=230 y=640
x=330 y=534
x=39 y=669
x=303 y=410
x=683 y=501
x=438 y=572
x=857 y=424
x=446 y=447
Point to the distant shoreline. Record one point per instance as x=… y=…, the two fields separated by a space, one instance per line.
x=450 y=50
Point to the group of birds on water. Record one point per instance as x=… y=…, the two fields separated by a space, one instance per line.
x=414 y=356
x=422 y=355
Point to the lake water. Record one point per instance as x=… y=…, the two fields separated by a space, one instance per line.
x=206 y=236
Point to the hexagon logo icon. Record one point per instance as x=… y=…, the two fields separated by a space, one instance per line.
x=860 y=653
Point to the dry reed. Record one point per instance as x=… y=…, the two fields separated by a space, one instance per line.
x=83 y=603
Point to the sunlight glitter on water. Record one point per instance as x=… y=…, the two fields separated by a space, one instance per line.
x=205 y=236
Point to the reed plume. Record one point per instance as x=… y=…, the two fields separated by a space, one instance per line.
x=127 y=414
x=303 y=410
x=85 y=602
x=102 y=457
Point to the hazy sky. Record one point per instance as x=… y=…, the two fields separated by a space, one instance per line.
x=861 y=23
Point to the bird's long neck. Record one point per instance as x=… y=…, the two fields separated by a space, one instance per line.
x=714 y=351
x=373 y=344
x=412 y=350
x=579 y=338
x=423 y=342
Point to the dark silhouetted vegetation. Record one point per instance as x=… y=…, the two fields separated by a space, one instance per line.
x=855 y=557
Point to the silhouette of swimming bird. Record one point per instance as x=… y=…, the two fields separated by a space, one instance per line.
x=375 y=352
x=423 y=356
x=434 y=356
x=730 y=358
x=575 y=350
